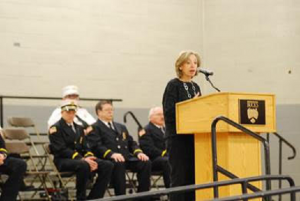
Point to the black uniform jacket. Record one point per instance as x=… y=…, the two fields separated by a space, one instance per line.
x=2 y=146
x=104 y=141
x=64 y=143
x=153 y=142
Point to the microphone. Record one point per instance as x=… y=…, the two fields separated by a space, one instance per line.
x=206 y=72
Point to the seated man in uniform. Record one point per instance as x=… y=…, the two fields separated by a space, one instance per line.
x=15 y=168
x=71 y=154
x=82 y=118
x=153 y=143
x=111 y=140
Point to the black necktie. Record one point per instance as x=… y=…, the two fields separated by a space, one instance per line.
x=163 y=129
x=110 y=126
x=72 y=127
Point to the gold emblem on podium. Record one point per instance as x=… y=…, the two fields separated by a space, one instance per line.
x=252 y=111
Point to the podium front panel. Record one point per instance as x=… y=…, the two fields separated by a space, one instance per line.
x=238 y=152
x=196 y=115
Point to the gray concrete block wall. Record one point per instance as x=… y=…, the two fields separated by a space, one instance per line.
x=288 y=126
x=127 y=49
x=253 y=46
x=110 y=49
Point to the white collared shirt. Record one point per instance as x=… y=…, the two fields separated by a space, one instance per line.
x=106 y=123
x=162 y=128
x=73 y=127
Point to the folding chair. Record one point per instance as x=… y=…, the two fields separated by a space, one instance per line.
x=156 y=177
x=62 y=178
x=22 y=135
x=28 y=124
x=15 y=140
x=131 y=181
x=24 y=122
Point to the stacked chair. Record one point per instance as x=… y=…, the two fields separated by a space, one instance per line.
x=19 y=143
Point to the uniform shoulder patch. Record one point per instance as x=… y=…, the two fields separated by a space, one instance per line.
x=52 y=130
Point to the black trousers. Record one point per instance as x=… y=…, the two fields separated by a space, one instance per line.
x=162 y=164
x=83 y=173
x=15 y=169
x=181 y=159
x=143 y=169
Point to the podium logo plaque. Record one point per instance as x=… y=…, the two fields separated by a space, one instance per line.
x=252 y=112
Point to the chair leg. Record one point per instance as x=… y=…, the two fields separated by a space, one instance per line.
x=131 y=181
x=108 y=192
x=155 y=181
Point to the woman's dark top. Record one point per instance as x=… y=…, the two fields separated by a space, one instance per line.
x=175 y=92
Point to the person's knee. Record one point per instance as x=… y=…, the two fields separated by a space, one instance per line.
x=19 y=166
x=119 y=166
x=146 y=166
x=105 y=165
x=108 y=165
x=82 y=166
x=23 y=166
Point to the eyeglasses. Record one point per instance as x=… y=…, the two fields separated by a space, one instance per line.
x=108 y=110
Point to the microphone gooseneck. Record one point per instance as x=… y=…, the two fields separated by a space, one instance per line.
x=207 y=73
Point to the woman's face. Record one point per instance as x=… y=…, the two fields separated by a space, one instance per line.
x=189 y=68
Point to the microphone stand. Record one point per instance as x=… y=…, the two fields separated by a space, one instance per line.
x=207 y=78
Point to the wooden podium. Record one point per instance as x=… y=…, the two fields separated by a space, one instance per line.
x=237 y=152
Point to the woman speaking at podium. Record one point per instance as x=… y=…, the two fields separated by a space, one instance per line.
x=181 y=147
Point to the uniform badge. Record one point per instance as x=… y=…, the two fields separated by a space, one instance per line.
x=52 y=130
x=124 y=136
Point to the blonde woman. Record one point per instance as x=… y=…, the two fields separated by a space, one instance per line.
x=181 y=147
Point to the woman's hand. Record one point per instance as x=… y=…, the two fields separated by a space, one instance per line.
x=197 y=95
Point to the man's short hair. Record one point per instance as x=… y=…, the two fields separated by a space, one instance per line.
x=99 y=105
x=152 y=111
